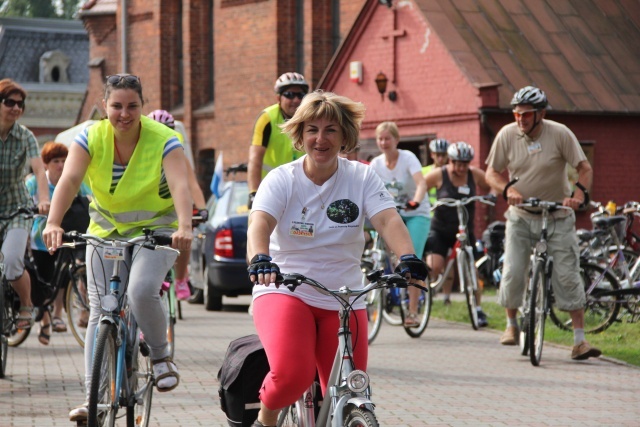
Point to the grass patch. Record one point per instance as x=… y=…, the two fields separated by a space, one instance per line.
x=620 y=341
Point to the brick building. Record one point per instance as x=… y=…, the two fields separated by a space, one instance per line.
x=451 y=68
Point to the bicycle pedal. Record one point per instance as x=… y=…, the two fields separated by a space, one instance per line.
x=144 y=349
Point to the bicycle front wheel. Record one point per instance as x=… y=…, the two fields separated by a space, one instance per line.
x=76 y=304
x=15 y=336
x=601 y=310
x=374 y=313
x=103 y=399
x=391 y=307
x=425 y=301
x=356 y=417
x=537 y=313
x=469 y=284
x=142 y=382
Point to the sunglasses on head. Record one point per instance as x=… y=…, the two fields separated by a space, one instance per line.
x=117 y=78
x=524 y=114
x=10 y=103
x=291 y=95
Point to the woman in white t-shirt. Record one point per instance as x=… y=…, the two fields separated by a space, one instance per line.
x=401 y=172
x=308 y=218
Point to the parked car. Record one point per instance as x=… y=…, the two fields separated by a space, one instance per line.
x=218 y=254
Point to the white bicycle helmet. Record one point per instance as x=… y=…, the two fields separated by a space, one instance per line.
x=460 y=152
x=290 y=79
x=530 y=95
x=438 y=145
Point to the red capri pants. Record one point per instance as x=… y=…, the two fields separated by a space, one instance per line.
x=299 y=339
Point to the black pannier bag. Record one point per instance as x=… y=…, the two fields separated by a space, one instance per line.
x=493 y=237
x=243 y=370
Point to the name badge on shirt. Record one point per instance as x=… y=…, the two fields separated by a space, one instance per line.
x=302 y=229
x=534 y=148
x=464 y=189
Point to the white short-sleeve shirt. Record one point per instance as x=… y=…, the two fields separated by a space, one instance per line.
x=323 y=244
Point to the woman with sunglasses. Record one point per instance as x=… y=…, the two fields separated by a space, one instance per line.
x=17 y=145
x=147 y=167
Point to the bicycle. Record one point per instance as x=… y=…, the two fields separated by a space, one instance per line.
x=390 y=304
x=348 y=401
x=121 y=373
x=462 y=252
x=10 y=305
x=538 y=298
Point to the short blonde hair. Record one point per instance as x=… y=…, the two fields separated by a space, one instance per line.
x=390 y=127
x=329 y=106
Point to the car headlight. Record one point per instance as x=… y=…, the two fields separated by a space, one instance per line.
x=358 y=381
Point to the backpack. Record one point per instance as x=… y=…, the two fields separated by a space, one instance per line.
x=493 y=237
x=243 y=370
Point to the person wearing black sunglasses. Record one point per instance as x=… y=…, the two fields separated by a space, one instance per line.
x=270 y=147
x=17 y=146
x=136 y=169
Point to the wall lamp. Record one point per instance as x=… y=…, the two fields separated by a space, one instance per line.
x=381 y=83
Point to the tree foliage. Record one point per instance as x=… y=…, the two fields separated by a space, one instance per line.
x=64 y=9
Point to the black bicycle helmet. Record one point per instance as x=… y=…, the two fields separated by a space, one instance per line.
x=438 y=145
x=460 y=152
x=290 y=79
x=530 y=95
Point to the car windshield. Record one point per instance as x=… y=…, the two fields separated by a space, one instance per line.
x=232 y=202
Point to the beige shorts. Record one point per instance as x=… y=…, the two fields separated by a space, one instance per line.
x=521 y=234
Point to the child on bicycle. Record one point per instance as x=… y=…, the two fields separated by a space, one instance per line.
x=146 y=190
x=308 y=217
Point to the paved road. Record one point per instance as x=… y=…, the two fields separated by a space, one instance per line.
x=452 y=376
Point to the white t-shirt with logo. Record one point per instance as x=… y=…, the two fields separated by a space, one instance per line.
x=399 y=180
x=323 y=244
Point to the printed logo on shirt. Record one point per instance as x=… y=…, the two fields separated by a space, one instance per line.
x=343 y=211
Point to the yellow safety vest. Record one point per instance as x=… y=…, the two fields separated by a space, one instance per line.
x=135 y=203
x=280 y=149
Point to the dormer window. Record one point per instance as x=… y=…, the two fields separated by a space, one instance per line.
x=53 y=67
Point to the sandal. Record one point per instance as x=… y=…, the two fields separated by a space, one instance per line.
x=59 y=325
x=43 y=337
x=411 y=321
x=165 y=369
x=25 y=322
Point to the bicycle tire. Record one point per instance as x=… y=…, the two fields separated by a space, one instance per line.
x=523 y=342
x=391 y=309
x=373 y=302
x=4 y=345
x=103 y=379
x=467 y=275
x=76 y=303
x=142 y=384
x=15 y=336
x=356 y=416
x=537 y=313
x=171 y=321
x=425 y=302
x=600 y=312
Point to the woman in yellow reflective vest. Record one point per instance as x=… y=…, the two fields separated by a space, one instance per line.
x=135 y=168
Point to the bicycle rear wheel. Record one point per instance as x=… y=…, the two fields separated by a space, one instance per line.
x=601 y=310
x=391 y=306
x=466 y=273
x=425 y=301
x=76 y=304
x=168 y=303
x=537 y=313
x=142 y=382
x=4 y=345
x=374 y=313
x=103 y=399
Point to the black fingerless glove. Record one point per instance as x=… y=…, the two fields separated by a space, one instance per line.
x=413 y=265
x=252 y=195
x=261 y=264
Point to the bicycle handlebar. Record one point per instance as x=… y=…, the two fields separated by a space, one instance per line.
x=533 y=202
x=488 y=199
x=28 y=211
x=149 y=241
x=584 y=203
